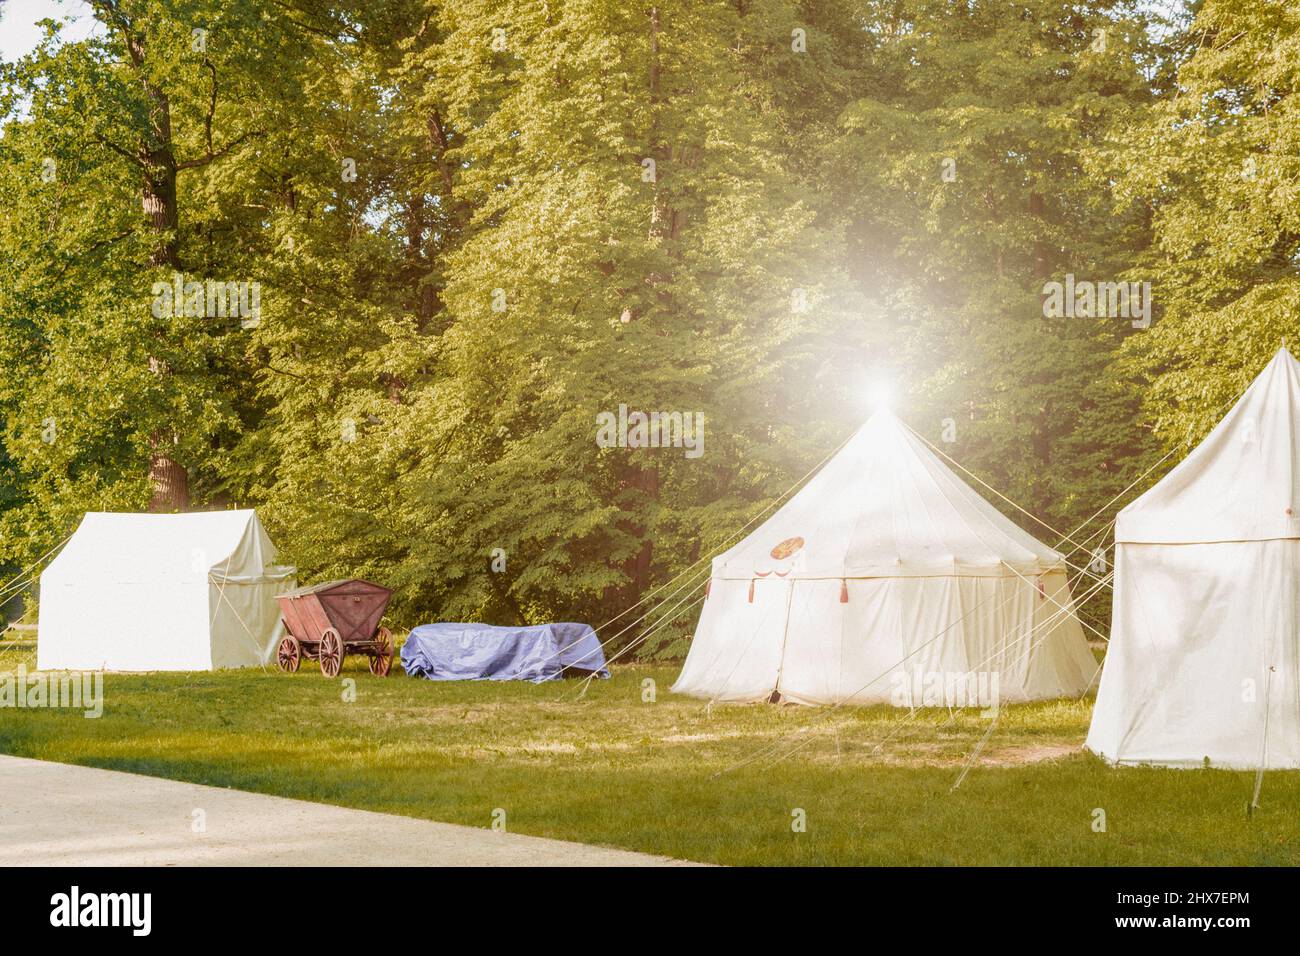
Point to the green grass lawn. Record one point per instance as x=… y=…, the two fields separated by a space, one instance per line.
x=876 y=786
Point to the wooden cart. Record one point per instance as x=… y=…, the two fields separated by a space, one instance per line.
x=328 y=621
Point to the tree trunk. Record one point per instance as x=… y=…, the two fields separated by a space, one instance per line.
x=637 y=567
x=170 y=480
x=158 y=201
x=418 y=263
x=1042 y=258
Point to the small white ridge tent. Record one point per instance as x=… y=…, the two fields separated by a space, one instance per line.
x=884 y=577
x=154 y=592
x=1204 y=652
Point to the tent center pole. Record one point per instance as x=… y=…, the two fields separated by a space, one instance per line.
x=785 y=636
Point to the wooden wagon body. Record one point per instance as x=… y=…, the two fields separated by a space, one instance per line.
x=326 y=622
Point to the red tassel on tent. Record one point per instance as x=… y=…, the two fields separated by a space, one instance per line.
x=844 y=591
x=751 y=590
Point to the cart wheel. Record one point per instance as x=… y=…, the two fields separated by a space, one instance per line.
x=289 y=654
x=331 y=653
x=382 y=662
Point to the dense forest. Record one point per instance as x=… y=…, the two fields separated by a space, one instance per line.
x=378 y=268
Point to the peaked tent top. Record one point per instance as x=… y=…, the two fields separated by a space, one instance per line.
x=885 y=506
x=1239 y=484
x=180 y=548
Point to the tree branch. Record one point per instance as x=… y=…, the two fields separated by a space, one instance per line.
x=138 y=160
x=111 y=13
x=94 y=246
x=439 y=136
x=339 y=29
x=211 y=155
x=212 y=106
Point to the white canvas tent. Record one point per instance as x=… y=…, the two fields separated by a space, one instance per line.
x=1203 y=650
x=884 y=576
x=147 y=592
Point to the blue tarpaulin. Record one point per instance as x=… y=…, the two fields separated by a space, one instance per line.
x=485 y=652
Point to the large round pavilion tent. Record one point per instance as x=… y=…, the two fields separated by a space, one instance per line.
x=884 y=576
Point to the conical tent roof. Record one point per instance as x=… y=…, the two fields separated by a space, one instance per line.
x=1239 y=484
x=886 y=506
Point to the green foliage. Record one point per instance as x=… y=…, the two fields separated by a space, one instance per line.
x=1215 y=168
x=439 y=332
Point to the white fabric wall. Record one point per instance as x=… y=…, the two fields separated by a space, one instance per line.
x=799 y=639
x=1192 y=625
x=737 y=646
x=93 y=624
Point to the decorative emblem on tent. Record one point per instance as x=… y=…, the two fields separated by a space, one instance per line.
x=786 y=548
